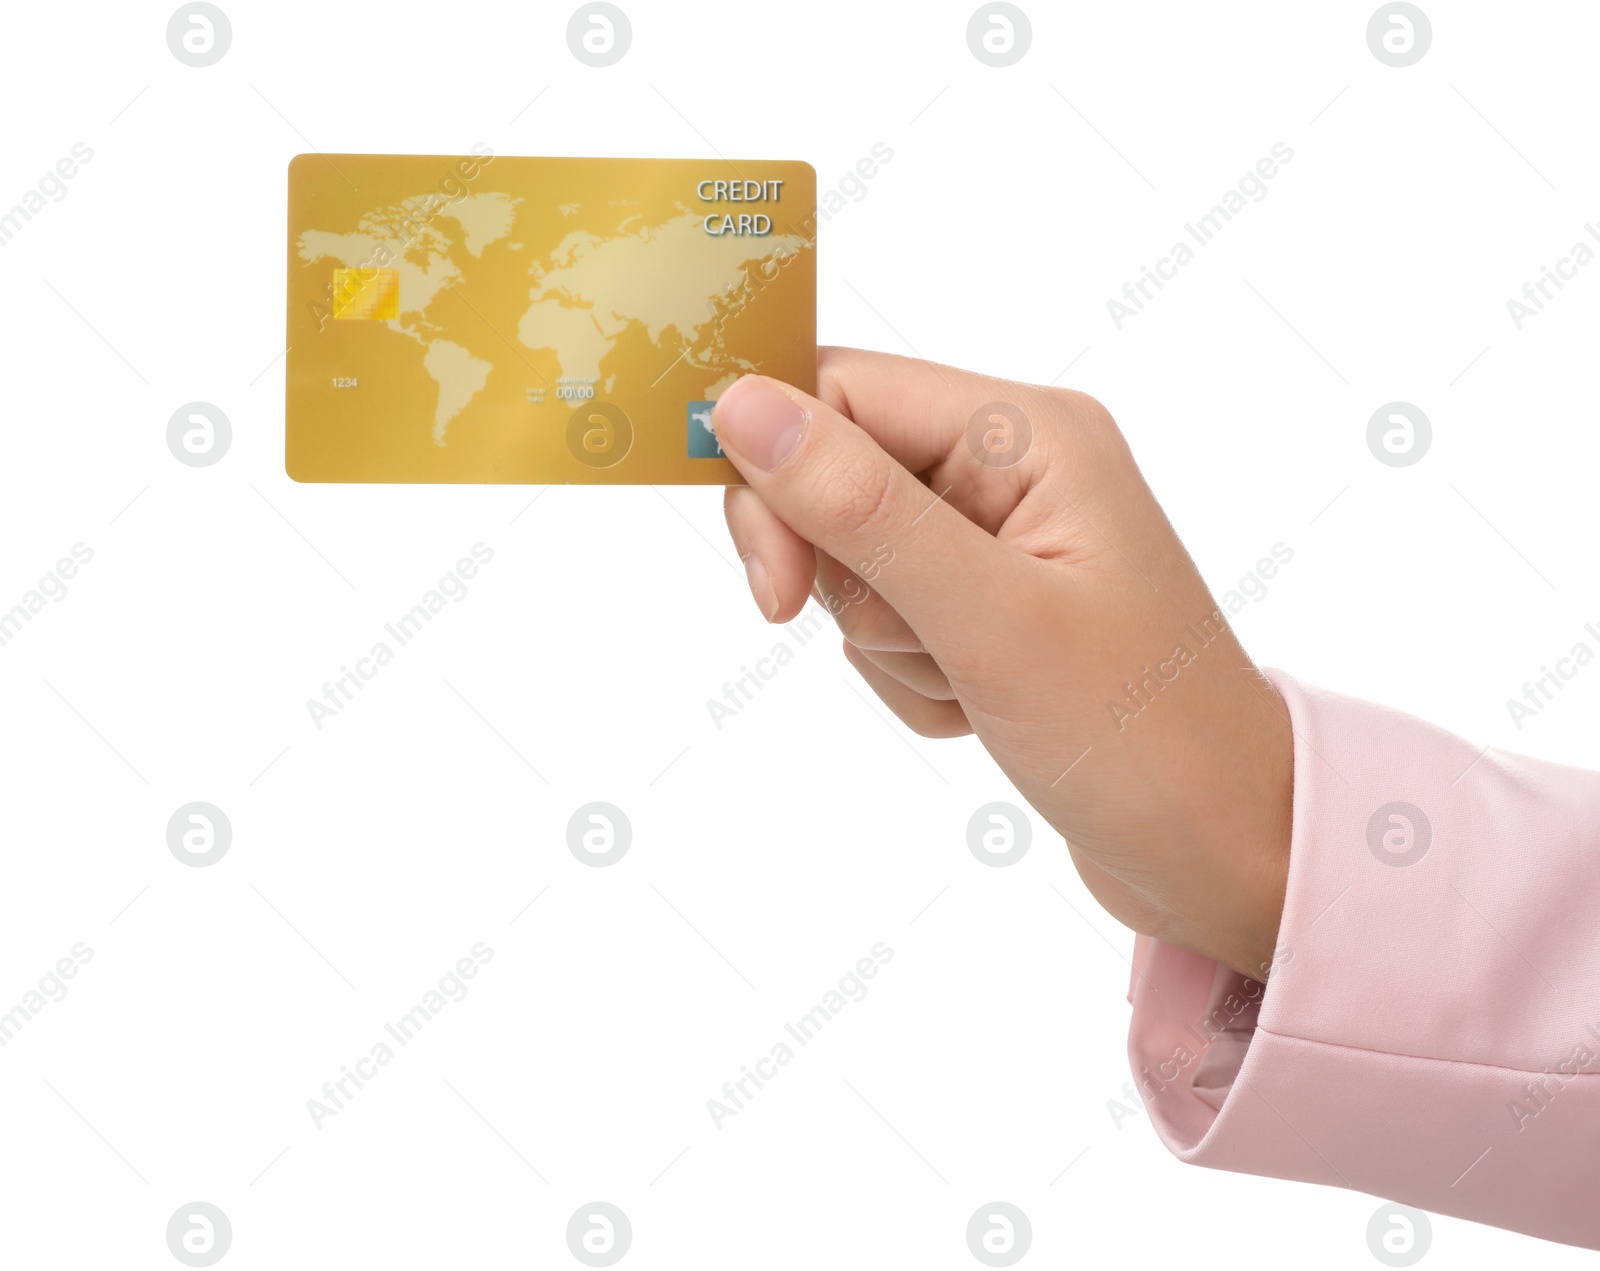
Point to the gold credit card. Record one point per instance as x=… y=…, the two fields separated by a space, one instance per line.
x=503 y=319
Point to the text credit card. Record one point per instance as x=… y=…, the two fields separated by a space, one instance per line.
x=491 y=318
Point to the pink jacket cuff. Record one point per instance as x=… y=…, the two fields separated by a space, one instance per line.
x=1430 y=1030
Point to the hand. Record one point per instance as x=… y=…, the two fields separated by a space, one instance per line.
x=1016 y=578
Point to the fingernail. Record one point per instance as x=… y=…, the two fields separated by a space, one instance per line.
x=762 y=423
x=761 y=587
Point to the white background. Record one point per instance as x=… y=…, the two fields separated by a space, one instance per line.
x=769 y=856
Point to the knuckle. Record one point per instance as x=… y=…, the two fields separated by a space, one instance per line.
x=873 y=625
x=1083 y=429
x=938 y=720
x=1082 y=413
x=852 y=623
x=860 y=497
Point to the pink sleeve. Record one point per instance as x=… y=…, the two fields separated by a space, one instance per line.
x=1430 y=1032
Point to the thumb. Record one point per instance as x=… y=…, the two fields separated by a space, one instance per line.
x=836 y=487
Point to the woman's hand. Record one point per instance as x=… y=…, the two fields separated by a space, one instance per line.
x=998 y=565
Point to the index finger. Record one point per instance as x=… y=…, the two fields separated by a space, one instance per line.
x=921 y=412
x=834 y=486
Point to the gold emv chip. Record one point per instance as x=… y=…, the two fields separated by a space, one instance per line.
x=366 y=293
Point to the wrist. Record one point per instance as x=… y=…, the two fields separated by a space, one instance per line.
x=1221 y=846
x=1251 y=855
